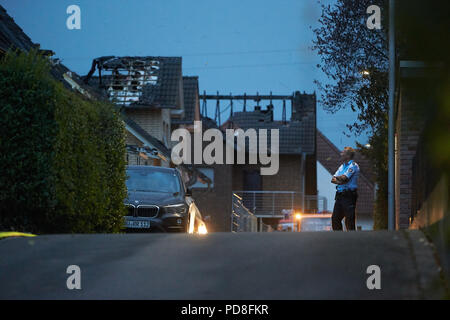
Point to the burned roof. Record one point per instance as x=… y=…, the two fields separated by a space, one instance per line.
x=296 y=137
x=11 y=35
x=140 y=82
x=190 y=93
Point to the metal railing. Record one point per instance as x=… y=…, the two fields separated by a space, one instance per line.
x=315 y=204
x=249 y=208
x=242 y=220
x=271 y=203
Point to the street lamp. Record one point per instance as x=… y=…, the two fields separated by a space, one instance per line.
x=365 y=72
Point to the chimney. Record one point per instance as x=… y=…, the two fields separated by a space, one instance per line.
x=270 y=110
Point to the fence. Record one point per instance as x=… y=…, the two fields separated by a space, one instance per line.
x=271 y=203
x=315 y=204
x=249 y=208
x=242 y=220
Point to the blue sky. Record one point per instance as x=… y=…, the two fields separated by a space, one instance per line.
x=233 y=46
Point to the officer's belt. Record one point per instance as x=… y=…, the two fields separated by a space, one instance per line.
x=348 y=192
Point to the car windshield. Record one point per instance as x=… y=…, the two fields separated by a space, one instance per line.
x=152 y=180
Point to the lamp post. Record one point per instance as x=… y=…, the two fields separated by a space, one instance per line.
x=391 y=172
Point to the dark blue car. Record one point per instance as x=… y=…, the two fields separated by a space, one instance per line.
x=158 y=201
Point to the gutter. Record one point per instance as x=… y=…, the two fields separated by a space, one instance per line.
x=75 y=86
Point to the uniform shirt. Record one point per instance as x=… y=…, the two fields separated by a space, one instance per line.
x=351 y=171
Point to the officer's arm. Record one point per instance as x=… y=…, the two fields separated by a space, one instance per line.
x=342 y=179
x=339 y=179
x=345 y=177
x=333 y=178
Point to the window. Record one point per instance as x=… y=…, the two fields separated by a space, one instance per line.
x=209 y=172
x=152 y=181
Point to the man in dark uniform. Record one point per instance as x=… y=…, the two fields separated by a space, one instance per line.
x=346 y=179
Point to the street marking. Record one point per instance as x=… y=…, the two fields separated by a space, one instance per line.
x=15 y=234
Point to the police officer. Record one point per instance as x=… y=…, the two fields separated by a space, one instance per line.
x=346 y=179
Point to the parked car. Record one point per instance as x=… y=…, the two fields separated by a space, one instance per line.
x=158 y=201
x=306 y=222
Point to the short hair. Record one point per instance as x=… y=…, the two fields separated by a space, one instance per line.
x=351 y=152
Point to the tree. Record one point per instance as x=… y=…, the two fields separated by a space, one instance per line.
x=355 y=59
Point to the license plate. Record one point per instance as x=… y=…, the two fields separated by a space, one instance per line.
x=137 y=224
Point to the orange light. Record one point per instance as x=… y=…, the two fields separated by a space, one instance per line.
x=298 y=216
x=202 y=229
x=191 y=221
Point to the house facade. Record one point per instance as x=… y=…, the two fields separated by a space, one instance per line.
x=421 y=189
x=149 y=91
x=294 y=187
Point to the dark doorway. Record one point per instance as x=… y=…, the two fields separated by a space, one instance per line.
x=252 y=182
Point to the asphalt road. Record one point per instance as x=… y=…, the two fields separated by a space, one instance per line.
x=320 y=265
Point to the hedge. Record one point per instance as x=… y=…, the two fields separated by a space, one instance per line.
x=62 y=156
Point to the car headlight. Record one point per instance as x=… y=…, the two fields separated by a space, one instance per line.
x=176 y=208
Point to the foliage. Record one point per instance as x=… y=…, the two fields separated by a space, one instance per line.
x=378 y=154
x=355 y=59
x=62 y=156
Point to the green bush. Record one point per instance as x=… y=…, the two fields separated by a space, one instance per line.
x=378 y=157
x=62 y=157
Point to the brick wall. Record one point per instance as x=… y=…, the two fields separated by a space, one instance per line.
x=311 y=175
x=407 y=137
x=216 y=202
x=288 y=177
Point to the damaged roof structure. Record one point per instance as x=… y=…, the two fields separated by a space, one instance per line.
x=142 y=83
x=139 y=82
x=12 y=37
x=295 y=137
x=159 y=83
x=191 y=102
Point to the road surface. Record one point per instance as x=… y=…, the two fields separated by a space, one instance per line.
x=315 y=265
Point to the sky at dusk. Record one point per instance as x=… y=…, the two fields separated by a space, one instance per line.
x=232 y=46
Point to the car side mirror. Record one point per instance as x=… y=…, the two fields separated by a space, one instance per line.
x=188 y=192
